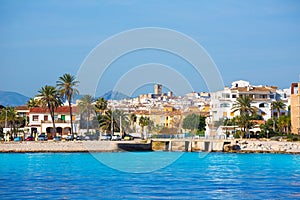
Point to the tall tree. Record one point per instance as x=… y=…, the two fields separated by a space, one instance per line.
x=31 y=103
x=243 y=105
x=50 y=98
x=10 y=118
x=107 y=121
x=144 y=121
x=86 y=108
x=133 y=119
x=101 y=105
x=194 y=122
x=278 y=106
x=284 y=123
x=67 y=88
x=122 y=120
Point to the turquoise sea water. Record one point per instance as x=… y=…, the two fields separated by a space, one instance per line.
x=192 y=176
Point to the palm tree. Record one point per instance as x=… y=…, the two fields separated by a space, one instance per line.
x=67 y=88
x=31 y=103
x=105 y=122
x=50 y=98
x=243 y=105
x=122 y=120
x=10 y=117
x=132 y=118
x=277 y=105
x=144 y=121
x=86 y=107
x=284 y=124
x=101 y=105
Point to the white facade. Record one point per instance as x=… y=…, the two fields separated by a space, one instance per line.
x=40 y=120
x=262 y=96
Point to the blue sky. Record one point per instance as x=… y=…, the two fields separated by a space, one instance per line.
x=258 y=41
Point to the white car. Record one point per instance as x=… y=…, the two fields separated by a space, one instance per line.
x=105 y=137
x=115 y=137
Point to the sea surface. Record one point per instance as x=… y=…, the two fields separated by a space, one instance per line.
x=191 y=176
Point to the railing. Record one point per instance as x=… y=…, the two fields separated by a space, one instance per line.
x=171 y=136
x=56 y=121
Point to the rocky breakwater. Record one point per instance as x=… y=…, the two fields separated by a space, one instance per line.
x=260 y=146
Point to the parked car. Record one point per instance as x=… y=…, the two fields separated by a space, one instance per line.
x=18 y=139
x=30 y=138
x=70 y=137
x=91 y=137
x=57 y=138
x=79 y=137
x=42 y=137
x=115 y=137
x=86 y=137
x=128 y=137
x=105 y=137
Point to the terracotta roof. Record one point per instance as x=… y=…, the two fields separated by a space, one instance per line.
x=63 y=109
x=24 y=107
x=258 y=122
x=253 y=89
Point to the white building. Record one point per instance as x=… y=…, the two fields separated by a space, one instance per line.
x=262 y=97
x=40 y=120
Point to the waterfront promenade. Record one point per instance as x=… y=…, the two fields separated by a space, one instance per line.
x=188 y=145
x=72 y=146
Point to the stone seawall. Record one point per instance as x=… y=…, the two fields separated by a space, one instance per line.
x=238 y=146
x=73 y=146
x=242 y=146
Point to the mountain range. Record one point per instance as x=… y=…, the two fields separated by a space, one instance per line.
x=8 y=98
x=12 y=98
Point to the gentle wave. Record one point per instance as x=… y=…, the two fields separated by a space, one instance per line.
x=191 y=176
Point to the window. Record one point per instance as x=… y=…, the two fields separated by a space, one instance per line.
x=225 y=95
x=263 y=105
x=35 y=118
x=224 y=114
x=63 y=117
x=45 y=117
x=234 y=96
x=224 y=105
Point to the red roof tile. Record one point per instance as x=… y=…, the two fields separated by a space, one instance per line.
x=63 y=109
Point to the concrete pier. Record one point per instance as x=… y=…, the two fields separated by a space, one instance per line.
x=188 y=145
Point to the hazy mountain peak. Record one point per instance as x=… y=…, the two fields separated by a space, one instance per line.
x=8 y=98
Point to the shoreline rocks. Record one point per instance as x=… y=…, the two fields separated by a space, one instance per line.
x=260 y=146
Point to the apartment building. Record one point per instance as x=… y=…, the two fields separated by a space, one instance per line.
x=262 y=97
x=295 y=108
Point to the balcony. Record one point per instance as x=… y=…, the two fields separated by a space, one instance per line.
x=56 y=121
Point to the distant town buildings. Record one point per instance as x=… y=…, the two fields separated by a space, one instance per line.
x=168 y=111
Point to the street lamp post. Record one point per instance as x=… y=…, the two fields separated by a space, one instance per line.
x=112 y=122
x=5 y=118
